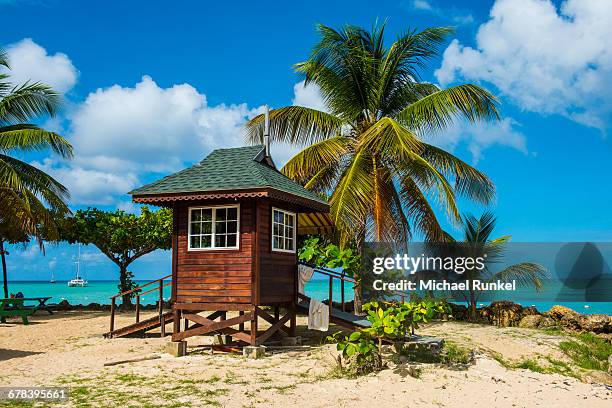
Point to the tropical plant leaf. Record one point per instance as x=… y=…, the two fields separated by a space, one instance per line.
x=439 y=110
x=296 y=125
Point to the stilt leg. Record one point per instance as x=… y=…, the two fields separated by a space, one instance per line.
x=254 y=327
x=292 y=322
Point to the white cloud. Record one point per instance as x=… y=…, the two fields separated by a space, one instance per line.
x=31 y=62
x=308 y=96
x=560 y=62
x=481 y=136
x=90 y=186
x=422 y=5
x=457 y=16
x=120 y=134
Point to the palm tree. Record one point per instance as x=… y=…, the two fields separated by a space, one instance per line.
x=368 y=149
x=29 y=198
x=477 y=242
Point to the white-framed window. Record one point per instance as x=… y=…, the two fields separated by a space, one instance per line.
x=283 y=230
x=215 y=227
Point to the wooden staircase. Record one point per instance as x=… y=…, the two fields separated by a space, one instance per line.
x=142 y=326
x=139 y=327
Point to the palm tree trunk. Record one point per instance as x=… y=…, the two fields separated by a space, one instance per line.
x=4 y=273
x=472 y=305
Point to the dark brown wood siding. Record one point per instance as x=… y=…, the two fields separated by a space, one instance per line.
x=215 y=276
x=277 y=270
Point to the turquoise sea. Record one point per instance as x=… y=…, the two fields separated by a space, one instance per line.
x=101 y=291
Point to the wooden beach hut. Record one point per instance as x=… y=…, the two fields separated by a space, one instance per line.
x=236 y=222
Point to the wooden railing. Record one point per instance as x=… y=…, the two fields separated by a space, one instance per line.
x=341 y=276
x=157 y=285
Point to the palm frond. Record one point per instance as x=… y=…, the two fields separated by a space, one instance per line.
x=419 y=211
x=26 y=179
x=296 y=125
x=4 y=60
x=26 y=137
x=439 y=110
x=28 y=100
x=526 y=273
x=351 y=201
x=468 y=181
x=313 y=159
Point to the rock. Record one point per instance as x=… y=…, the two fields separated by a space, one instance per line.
x=530 y=310
x=557 y=312
x=459 y=312
x=547 y=322
x=531 y=321
x=254 y=352
x=595 y=323
x=504 y=314
x=610 y=364
x=63 y=305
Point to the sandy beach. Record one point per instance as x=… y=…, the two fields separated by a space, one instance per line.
x=68 y=349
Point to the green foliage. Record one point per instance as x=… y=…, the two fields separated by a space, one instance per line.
x=316 y=251
x=122 y=237
x=388 y=321
x=359 y=350
x=368 y=148
x=29 y=198
x=478 y=243
x=588 y=351
x=456 y=355
x=397 y=319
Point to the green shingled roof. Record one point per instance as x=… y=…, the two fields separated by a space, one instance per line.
x=228 y=169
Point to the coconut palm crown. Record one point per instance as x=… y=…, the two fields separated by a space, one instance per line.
x=28 y=196
x=367 y=150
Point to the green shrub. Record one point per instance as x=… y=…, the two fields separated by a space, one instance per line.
x=588 y=351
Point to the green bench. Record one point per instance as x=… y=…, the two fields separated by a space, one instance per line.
x=12 y=307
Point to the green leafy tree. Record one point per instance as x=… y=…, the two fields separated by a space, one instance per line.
x=29 y=198
x=122 y=237
x=367 y=149
x=477 y=242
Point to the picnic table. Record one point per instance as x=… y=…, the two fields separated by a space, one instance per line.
x=10 y=307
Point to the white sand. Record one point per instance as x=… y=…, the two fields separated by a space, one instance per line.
x=68 y=348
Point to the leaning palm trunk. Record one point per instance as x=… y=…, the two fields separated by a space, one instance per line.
x=366 y=151
x=4 y=272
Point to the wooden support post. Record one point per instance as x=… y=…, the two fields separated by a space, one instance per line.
x=137 y=308
x=276 y=313
x=331 y=291
x=162 y=321
x=223 y=316
x=112 y=320
x=292 y=322
x=254 y=326
x=176 y=324
x=241 y=325
x=342 y=293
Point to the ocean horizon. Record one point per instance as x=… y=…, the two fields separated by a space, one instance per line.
x=100 y=291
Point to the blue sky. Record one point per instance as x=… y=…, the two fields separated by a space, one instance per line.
x=151 y=87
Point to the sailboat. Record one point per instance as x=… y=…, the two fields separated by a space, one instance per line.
x=78 y=281
x=52 y=278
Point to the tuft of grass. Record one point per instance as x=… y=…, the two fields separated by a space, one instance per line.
x=213 y=379
x=529 y=364
x=457 y=355
x=588 y=351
